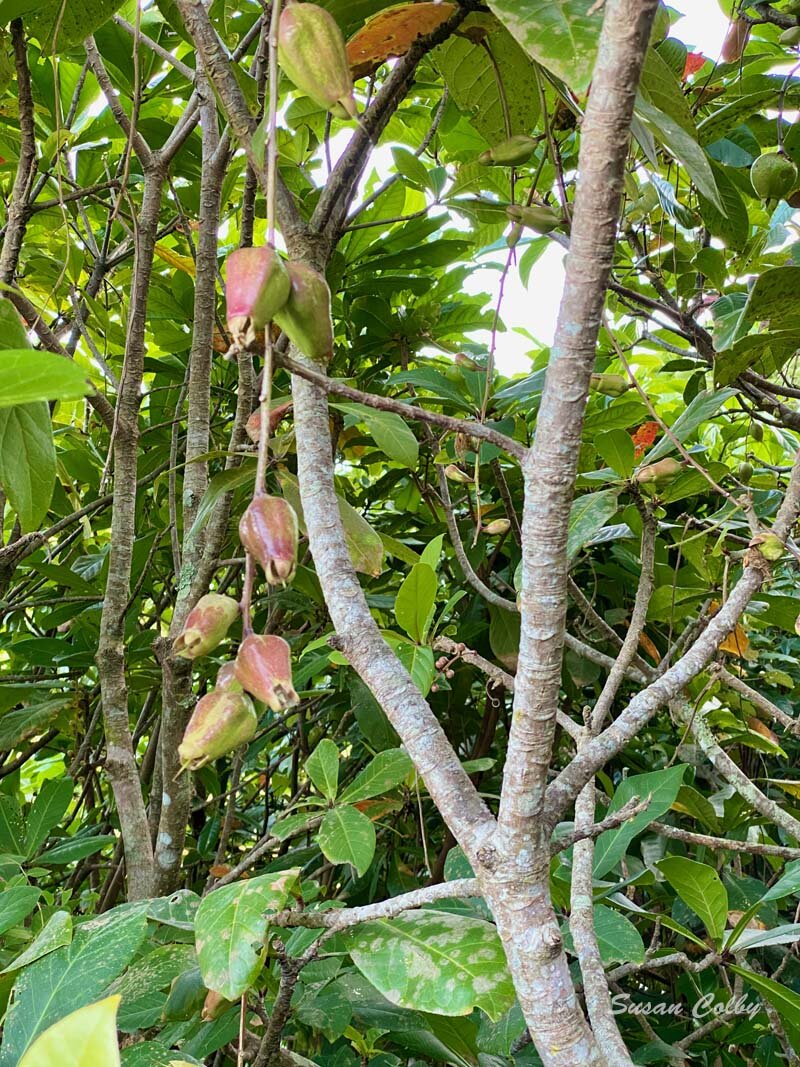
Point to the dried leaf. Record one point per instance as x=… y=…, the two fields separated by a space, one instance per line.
x=391 y=33
x=647 y=645
x=757 y=726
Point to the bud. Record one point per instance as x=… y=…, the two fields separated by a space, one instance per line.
x=662 y=471
x=609 y=384
x=510 y=153
x=268 y=531
x=514 y=235
x=790 y=37
x=226 y=678
x=735 y=41
x=769 y=545
x=537 y=217
x=257 y=286
x=461 y=359
x=264 y=668
x=206 y=625
x=220 y=723
x=276 y=416
x=455 y=474
x=214 y=1005
x=312 y=53
x=306 y=316
x=497 y=527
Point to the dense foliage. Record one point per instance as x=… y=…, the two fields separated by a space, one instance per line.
x=130 y=887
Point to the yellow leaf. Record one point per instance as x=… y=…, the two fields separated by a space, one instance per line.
x=175 y=259
x=86 y=1038
x=790 y=787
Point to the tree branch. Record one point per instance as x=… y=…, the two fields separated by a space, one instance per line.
x=551 y=466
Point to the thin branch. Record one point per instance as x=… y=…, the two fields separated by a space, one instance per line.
x=341 y=919
x=407 y=411
x=724 y=844
x=761 y=702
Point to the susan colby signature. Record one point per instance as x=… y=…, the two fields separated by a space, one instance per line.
x=705 y=1008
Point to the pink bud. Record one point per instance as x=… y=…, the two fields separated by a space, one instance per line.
x=257 y=286
x=206 y=625
x=220 y=723
x=268 y=530
x=264 y=667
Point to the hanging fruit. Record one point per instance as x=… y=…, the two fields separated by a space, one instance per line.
x=773 y=176
x=257 y=286
x=305 y=318
x=609 y=384
x=268 y=531
x=221 y=721
x=512 y=152
x=311 y=52
x=264 y=668
x=206 y=625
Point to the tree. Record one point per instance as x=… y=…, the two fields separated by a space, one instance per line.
x=518 y=793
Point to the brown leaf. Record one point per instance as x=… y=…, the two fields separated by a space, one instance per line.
x=736 y=643
x=758 y=727
x=649 y=647
x=220 y=870
x=752 y=924
x=391 y=33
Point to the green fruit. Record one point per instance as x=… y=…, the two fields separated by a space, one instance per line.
x=662 y=471
x=510 y=153
x=305 y=318
x=539 y=218
x=773 y=176
x=744 y=472
x=609 y=384
x=312 y=53
x=790 y=37
x=756 y=431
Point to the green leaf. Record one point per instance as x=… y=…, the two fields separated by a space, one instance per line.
x=662 y=788
x=54 y=934
x=467 y=69
x=704 y=405
x=616 y=449
x=414 y=605
x=785 y=1001
x=684 y=147
x=12 y=826
x=74 y=849
x=562 y=35
x=67 y=979
x=774 y=297
x=22 y=723
x=435 y=962
x=16 y=904
x=732 y=224
x=231 y=929
x=504 y=631
x=27 y=461
x=390 y=431
x=47 y=811
x=617 y=938
x=84 y=1038
x=787 y=885
x=588 y=515
x=27 y=376
x=218 y=486
x=700 y=888
x=409 y=165
x=60 y=27
x=363 y=543
x=322 y=767
x=663 y=89
x=346 y=835
x=767 y=352
x=387 y=770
